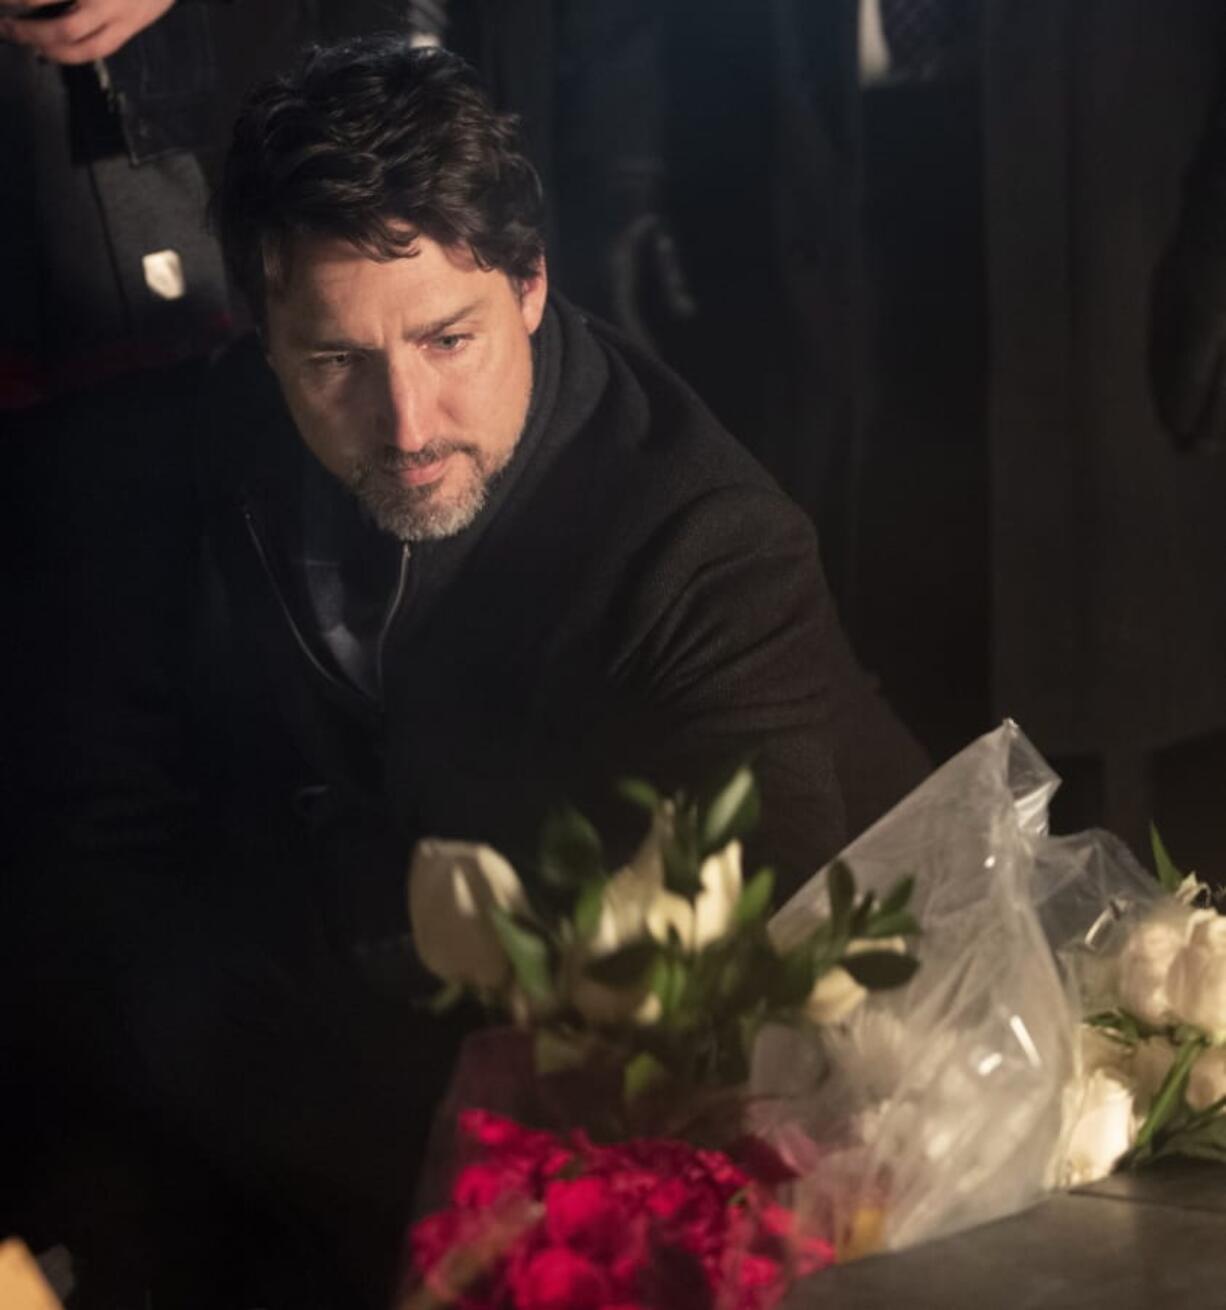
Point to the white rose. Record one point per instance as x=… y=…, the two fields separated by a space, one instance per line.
x=836 y=995
x=1207 y=1082
x=708 y=917
x=634 y=905
x=720 y=876
x=1144 y=965
x=630 y=892
x=1196 y=984
x=1103 y=1130
x=452 y=886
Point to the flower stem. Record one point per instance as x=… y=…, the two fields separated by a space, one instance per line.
x=1169 y=1094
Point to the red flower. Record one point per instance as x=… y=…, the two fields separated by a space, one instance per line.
x=559 y=1279
x=640 y=1225
x=585 y=1215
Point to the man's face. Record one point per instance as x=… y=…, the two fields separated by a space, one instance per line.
x=408 y=379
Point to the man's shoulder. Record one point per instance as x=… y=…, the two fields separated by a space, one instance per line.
x=659 y=447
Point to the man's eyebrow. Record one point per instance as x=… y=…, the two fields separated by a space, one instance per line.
x=422 y=332
x=440 y=325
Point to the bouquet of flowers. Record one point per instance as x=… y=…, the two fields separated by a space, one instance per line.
x=941 y=1105
x=607 y=1144
x=1149 y=961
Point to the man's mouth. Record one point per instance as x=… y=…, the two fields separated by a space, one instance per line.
x=421 y=475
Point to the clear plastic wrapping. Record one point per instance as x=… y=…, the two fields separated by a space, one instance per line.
x=941 y=1105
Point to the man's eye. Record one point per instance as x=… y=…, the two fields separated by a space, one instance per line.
x=334 y=361
x=450 y=342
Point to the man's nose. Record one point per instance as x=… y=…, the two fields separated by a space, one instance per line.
x=410 y=406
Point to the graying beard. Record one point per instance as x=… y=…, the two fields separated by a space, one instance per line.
x=409 y=515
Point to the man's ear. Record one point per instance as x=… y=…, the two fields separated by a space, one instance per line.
x=532 y=292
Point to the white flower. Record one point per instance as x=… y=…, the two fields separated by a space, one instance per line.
x=1103 y=1130
x=1191 y=890
x=631 y=891
x=635 y=905
x=1197 y=981
x=452 y=886
x=705 y=920
x=1207 y=1082
x=720 y=876
x=1145 y=964
x=836 y=995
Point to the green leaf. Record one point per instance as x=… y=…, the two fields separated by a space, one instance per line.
x=639 y=793
x=793 y=977
x=668 y=981
x=1119 y=1023
x=842 y=898
x=1170 y=1094
x=755 y=901
x=878 y=970
x=1168 y=874
x=555 y=1052
x=570 y=850
x=626 y=967
x=588 y=908
x=898 y=897
x=643 y=1074
x=902 y=923
x=861 y=914
x=732 y=813
x=528 y=952
x=681 y=863
x=446 y=999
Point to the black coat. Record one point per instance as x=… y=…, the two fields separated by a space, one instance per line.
x=638 y=598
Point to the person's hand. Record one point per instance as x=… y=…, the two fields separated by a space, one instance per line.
x=91 y=30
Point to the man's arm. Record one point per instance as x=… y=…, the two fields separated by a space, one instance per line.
x=739 y=655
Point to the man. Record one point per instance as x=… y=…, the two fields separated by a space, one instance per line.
x=473 y=555
x=489 y=555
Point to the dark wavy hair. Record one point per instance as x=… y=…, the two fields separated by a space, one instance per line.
x=375 y=142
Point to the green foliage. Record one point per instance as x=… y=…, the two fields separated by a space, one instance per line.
x=628 y=967
x=1121 y=1025
x=755 y=901
x=570 y=854
x=639 y=793
x=878 y=970
x=1168 y=1106
x=528 y=953
x=1169 y=875
x=643 y=1074
x=733 y=813
x=446 y=999
x=706 y=1005
x=842 y=899
x=588 y=908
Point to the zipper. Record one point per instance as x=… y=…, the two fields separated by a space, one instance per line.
x=392 y=610
x=303 y=645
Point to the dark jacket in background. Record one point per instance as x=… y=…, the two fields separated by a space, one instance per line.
x=98 y=169
x=1109 y=613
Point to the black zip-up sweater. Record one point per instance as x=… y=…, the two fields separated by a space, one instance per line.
x=637 y=598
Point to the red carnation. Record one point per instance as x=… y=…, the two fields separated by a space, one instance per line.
x=559 y=1279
